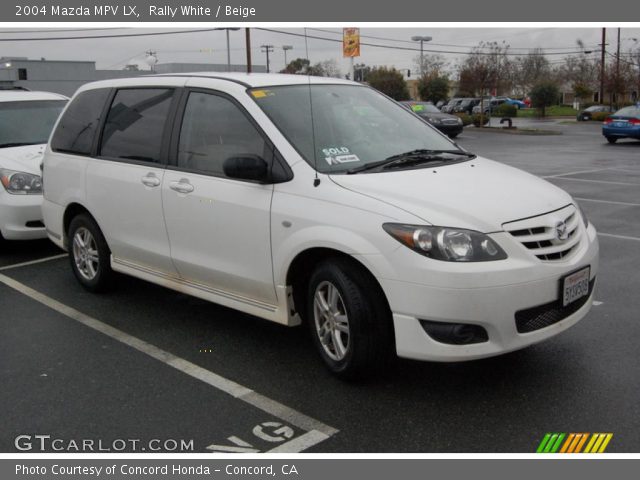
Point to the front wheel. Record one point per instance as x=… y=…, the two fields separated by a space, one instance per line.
x=612 y=139
x=349 y=320
x=89 y=254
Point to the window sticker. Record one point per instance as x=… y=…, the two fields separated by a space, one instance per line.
x=262 y=93
x=417 y=108
x=339 y=159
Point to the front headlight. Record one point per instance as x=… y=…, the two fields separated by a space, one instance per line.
x=434 y=120
x=460 y=121
x=20 y=183
x=585 y=220
x=448 y=244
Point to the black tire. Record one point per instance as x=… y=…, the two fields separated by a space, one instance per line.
x=370 y=338
x=612 y=139
x=102 y=279
x=453 y=135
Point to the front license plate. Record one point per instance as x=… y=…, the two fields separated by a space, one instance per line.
x=575 y=286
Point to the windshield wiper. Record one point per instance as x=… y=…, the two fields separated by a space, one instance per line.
x=412 y=156
x=19 y=144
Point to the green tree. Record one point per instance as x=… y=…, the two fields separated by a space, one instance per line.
x=389 y=81
x=433 y=89
x=543 y=95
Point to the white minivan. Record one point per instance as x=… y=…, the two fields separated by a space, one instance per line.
x=317 y=200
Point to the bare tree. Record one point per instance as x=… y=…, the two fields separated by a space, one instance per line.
x=432 y=65
x=529 y=70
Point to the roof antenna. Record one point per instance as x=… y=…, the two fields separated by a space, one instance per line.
x=316 y=180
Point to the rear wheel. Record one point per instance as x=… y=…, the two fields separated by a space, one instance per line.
x=349 y=321
x=612 y=139
x=89 y=254
x=453 y=135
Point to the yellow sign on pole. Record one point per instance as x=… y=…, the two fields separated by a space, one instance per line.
x=351 y=42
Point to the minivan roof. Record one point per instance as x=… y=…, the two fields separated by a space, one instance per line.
x=26 y=96
x=249 y=80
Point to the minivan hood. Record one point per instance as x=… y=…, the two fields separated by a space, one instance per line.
x=479 y=194
x=22 y=159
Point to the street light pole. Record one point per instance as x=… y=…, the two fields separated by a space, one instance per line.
x=421 y=39
x=228 y=46
x=285 y=48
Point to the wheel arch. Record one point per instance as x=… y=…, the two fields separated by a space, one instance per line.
x=300 y=268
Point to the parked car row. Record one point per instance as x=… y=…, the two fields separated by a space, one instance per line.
x=474 y=105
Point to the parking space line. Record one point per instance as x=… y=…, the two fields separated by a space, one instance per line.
x=607 y=201
x=597 y=181
x=219 y=382
x=300 y=443
x=620 y=237
x=33 y=262
x=577 y=173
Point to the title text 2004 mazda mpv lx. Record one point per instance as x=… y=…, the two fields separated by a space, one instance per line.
x=319 y=200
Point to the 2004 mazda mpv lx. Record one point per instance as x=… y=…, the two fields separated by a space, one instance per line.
x=318 y=200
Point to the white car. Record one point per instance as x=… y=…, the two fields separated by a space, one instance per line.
x=26 y=121
x=315 y=200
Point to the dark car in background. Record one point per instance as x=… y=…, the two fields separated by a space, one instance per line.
x=453 y=103
x=466 y=105
x=450 y=125
x=625 y=123
x=586 y=114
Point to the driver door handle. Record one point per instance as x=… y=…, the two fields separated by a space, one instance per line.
x=183 y=186
x=150 y=180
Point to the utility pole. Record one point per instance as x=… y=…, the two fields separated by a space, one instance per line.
x=604 y=39
x=247 y=37
x=617 y=84
x=267 y=49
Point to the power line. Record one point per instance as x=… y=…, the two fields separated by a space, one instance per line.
x=123 y=35
x=440 y=44
x=55 y=30
x=396 y=47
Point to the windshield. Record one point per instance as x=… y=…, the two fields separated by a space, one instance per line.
x=594 y=108
x=28 y=122
x=353 y=125
x=629 y=112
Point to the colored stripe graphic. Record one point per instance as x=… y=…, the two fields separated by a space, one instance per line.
x=574 y=443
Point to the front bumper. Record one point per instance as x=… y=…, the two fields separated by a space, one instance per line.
x=449 y=129
x=486 y=295
x=21 y=216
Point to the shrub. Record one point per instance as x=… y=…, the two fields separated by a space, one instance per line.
x=433 y=89
x=543 y=95
x=389 y=81
x=466 y=119
x=476 y=119
x=599 y=116
x=506 y=110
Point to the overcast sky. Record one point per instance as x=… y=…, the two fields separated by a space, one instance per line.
x=210 y=47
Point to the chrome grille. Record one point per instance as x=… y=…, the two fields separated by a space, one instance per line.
x=550 y=237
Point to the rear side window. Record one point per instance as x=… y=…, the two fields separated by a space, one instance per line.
x=78 y=125
x=135 y=124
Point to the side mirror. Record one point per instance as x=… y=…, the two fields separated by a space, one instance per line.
x=246 y=167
